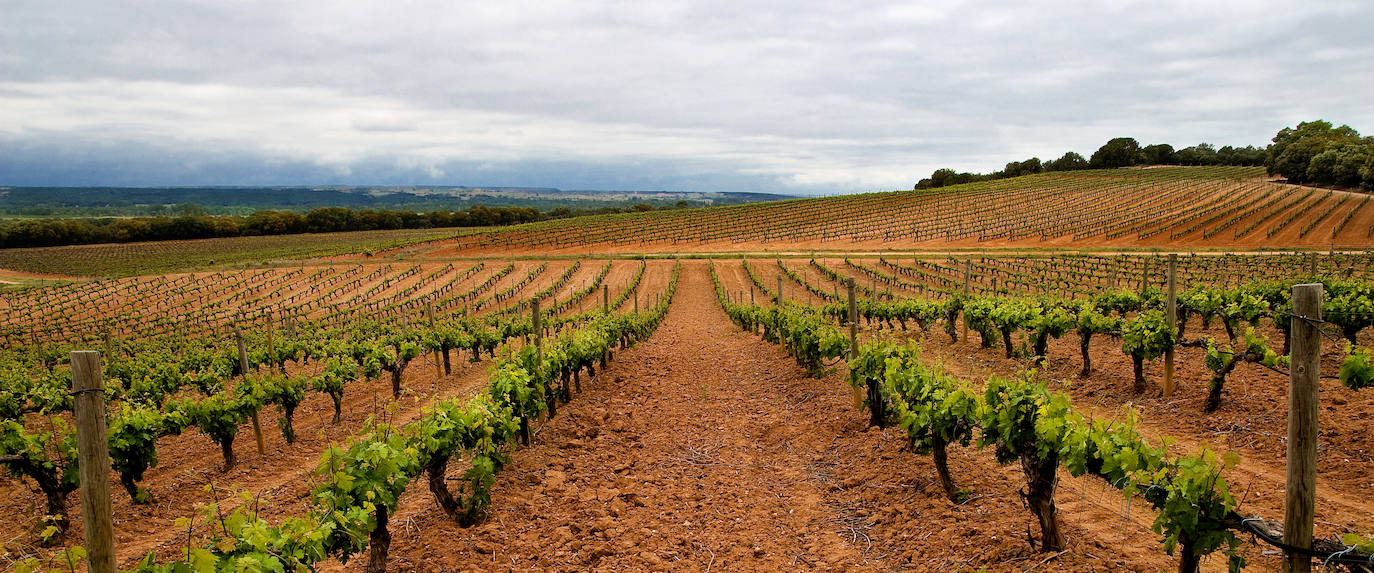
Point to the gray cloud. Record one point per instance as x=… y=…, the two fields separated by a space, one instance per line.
x=769 y=96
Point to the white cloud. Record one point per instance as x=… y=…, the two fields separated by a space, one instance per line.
x=824 y=97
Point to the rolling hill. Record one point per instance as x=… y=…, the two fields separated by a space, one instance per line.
x=1174 y=207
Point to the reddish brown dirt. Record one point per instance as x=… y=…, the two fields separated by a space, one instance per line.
x=705 y=448
x=1251 y=421
x=281 y=480
x=1355 y=235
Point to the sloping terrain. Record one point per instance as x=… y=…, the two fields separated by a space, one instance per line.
x=1177 y=207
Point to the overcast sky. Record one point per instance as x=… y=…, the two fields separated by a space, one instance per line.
x=732 y=95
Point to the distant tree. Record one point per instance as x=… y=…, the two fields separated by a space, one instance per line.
x=1248 y=155
x=1317 y=135
x=328 y=219
x=1018 y=168
x=481 y=216
x=224 y=226
x=642 y=207
x=1294 y=162
x=1340 y=164
x=943 y=177
x=189 y=210
x=1119 y=152
x=1159 y=154
x=1071 y=161
x=1200 y=154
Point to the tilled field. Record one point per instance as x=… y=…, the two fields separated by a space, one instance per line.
x=705 y=448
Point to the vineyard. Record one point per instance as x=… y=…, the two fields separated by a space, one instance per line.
x=1226 y=207
x=404 y=405
x=125 y=259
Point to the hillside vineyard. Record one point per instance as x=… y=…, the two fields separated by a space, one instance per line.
x=470 y=402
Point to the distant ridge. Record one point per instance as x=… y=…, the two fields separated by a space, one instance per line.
x=1193 y=207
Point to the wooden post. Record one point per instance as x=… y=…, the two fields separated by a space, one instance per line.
x=243 y=366
x=538 y=335
x=1303 y=404
x=606 y=298
x=93 y=460
x=968 y=283
x=853 y=317
x=779 y=290
x=1312 y=264
x=429 y=312
x=1171 y=313
x=272 y=346
x=751 y=295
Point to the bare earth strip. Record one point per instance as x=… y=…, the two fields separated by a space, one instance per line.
x=705 y=448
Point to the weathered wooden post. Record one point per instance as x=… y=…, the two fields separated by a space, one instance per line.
x=243 y=367
x=272 y=346
x=429 y=313
x=1312 y=264
x=853 y=319
x=1171 y=313
x=538 y=333
x=537 y=326
x=1303 y=403
x=780 y=298
x=968 y=283
x=93 y=460
x=606 y=298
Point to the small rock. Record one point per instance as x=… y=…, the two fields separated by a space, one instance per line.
x=651 y=559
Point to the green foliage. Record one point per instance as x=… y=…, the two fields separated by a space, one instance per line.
x=217 y=416
x=371 y=472
x=133 y=434
x=1357 y=371
x=1113 y=451
x=1363 y=544
x=1092 y=321
x=1119 y=301
x=978 y=313
x=1118 y=152
x=242 y=541
x=929 y=403
x=1147 y=336
x=270 y=388
x=1019 y=415
x=513 y=387
x=1193 y=501
x=1319 y=153
x=48 y=458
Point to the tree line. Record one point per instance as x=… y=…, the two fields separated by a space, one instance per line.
x=1316 y=153
x=56 y=232
x=1119 y=152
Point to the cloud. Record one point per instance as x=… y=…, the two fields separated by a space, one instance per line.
x=765 y=96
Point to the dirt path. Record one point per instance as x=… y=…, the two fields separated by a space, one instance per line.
x=707 y=449
x=628 y=477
